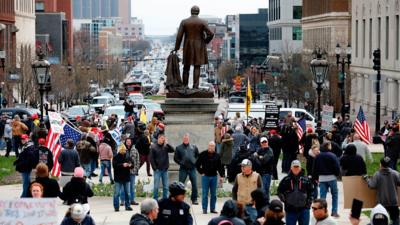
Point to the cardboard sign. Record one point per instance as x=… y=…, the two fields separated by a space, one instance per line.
x=29 y=211
x=56 y=122
x=357 y=187
x=271 y=115
x=327 y=115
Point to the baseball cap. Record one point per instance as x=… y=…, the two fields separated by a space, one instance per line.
x=78 y=172
x=263 y=139
x=42 y=141
x=295 y=163
x=246 y=162
x=24 y=136
x=276 y=206
x=385 y=162
x=380 y=219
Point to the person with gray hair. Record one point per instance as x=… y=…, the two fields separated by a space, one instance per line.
x=148 y=213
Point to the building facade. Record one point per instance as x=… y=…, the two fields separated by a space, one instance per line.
x=252 y=38
x=91 y=9
x=326 y=23
x=25 y=23
x=8 y=32
x=285 y=34
x=375 y=24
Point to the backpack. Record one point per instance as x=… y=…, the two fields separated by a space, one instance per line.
x=225 y=222
x=296 y=198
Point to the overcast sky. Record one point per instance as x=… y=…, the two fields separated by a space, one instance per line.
x=162 y=17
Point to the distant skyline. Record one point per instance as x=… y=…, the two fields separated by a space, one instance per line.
x=162 y=17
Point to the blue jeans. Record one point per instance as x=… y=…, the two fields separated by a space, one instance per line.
x=87 y=168
x=266 y=180
x=117 y=191
x=303 y=217
x=93 y=165
x=209 y=184
x=132 y=188
x=163 y=175
x=332 y=185
x=105 y=164
x=218 y=147
x=26 y=181
x=192 y=173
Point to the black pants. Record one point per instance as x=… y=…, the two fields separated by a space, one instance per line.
x=393 y=213
x=9 y=146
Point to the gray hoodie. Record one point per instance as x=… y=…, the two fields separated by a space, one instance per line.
x=385 y=181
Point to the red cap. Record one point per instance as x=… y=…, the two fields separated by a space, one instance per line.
x=78 y=117
x=309 y=130
x=42 y=141
x=272 y=132
x=24 y=136
x=161 y=125
x=35 y=116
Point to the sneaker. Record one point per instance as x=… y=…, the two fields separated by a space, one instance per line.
x=121 y=204
x=128 y=209
x=112 y=182
x=93 y=175
x=116 y=210
x=335 y=215
x=214 y=211
x=134 y=203
x=195 y=202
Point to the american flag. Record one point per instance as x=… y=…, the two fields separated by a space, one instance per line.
x=301 y=127
x=361 y=127
x=55 y=141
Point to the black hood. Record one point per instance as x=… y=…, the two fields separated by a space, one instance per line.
x=139 y=217
x=229 y=209
x=351 y=149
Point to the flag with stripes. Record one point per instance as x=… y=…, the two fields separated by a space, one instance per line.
x=362 y=128
x=55 y=141
x=301 y=127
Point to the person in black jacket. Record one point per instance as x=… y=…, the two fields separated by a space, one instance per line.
x=143 y=147
x=393 y=146
x=77 y=190
x=122 y=166
x=229 y=213
x=25 y=162
x=43 y=154
x=51 y=189
x=326 y=169
x=275 y=142
x=174 y=210
x=235 y=168
x=263 y=163
x=148 y=213
x=290 y=146
x=208 y=165
x=128 y=107
x=351 y=163
x=295 y=190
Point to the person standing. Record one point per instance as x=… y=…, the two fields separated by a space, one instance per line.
x=18 y=129
x=393 y=146
x=51 y=189
x=275 y=142
x=173 y=210
x=218 y=135
x=386 y=181
x=263 y=160
x=351 y=163
x=121 y=165
x=239 y=139
x=148 y=213
x=290 y=146
x=362 y=148
x=320 y=213
x=295 y=190
x=77 y=190
x=143 y=146
x=229 y=215
x=159 y=160
x=69 y=160
x=25 y=162
x=43 y=154
x=8 y=137
x=326 y=168
x=85 y=149
x=133 y=156
x=105 y=154
x=186 y=156
x=128 y=108
x=209 y=164
x=246 y=182
x=226 y=150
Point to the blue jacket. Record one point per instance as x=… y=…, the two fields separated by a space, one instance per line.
x=326 y=163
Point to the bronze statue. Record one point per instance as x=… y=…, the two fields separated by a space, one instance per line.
x=197 y=35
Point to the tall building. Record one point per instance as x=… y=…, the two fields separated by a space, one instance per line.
x=25 y=23
x=326 y=23
x=252 y=38
x=91 y=9
x=285 y=34
x=57 y=6
x=375 y=24
x=8 y=32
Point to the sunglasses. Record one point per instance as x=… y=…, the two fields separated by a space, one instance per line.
x=315 y=208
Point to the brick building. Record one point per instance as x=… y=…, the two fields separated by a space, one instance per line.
x=7 y=37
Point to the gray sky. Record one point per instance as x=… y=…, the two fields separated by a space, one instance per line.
x=163 y=16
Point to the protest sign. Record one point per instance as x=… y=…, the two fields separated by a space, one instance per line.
x=56 y=123
x=327 y=115
x=29 y=211
x=271 y=115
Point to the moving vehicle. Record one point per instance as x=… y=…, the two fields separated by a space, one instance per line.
x=137 y=98
x=132 y=86
x=100 y=103
x=82 y=111
x=21 y=112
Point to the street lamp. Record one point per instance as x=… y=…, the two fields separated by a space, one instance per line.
x=254 y=71
x=99 y=67
x=319 y=67
x=341 y=60
x=41 y=71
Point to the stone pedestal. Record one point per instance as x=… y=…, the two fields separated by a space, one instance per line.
x=194 y=116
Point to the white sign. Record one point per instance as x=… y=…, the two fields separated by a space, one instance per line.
x=2 y=54
x=29 y=211
x=56 y=122
x=327 y=115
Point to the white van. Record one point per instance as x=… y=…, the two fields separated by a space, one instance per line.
x=258 y=110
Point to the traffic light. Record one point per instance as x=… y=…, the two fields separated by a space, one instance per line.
x=377 y=59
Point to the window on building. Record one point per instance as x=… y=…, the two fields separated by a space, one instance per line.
x=132 y=28
x=126 y=28
x=370 y=39
x=356 y=38
x=296 y=33
x=397 y=37
x=387 y=38
x=363 y=39
x=126 y=34
x=297 y=11
x=39 y=7
x=140 y=34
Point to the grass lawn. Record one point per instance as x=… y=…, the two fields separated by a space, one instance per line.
x=374 y=166
x=6 y=167
x=155 y=97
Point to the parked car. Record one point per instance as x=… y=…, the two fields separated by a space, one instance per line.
x=137 y=98
x=100 y=103
x=117 y=110
x=82 y=111
x=152 y=110
x=11 y=112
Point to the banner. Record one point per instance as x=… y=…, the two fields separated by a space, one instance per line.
x=116 y=135
x=56 y=122
x=327 y=115
x=29 y=211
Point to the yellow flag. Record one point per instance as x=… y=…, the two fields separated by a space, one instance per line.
x=143 y=116
x=249 y=97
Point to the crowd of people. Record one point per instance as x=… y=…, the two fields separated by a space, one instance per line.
x=243 y=154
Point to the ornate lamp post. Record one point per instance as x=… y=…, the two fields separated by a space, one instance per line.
x=340 y=60
x=41 y=71
x=319 y=67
